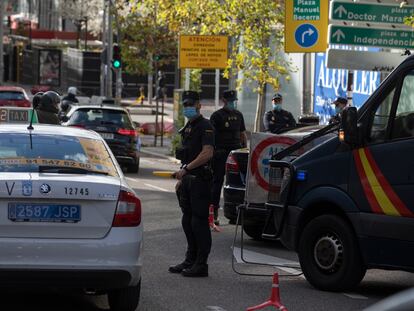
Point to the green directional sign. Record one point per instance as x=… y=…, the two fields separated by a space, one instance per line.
x=370 y=13
x=390 y=38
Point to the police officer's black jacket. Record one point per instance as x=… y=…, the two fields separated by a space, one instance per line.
x=195 y=134
x=228 y=125
x=276 y=121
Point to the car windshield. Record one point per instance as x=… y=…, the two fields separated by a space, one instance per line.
x=10 y=95
x=22 y=153
x=96 y=116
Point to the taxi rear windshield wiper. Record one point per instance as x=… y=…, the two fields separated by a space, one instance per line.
x=67 y=170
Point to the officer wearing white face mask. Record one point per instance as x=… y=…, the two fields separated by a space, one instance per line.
x=278 y=120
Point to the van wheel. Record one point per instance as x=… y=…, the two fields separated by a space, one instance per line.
x=124 y=299
x=254 y=231
x=329 y=254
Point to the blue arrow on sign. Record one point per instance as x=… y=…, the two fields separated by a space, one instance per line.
x=306 y=35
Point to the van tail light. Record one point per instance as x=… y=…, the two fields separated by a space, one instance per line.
x=127 y=132
x=231 y=164
x=128 y=210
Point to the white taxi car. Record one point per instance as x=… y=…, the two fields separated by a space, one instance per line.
x=67 y=216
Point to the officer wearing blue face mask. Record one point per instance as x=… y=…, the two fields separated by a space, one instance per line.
x=230 y=134
x=277 y=120
x=340 y=103
x=193 y=187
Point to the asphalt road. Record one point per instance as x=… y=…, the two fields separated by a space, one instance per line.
x=223 y=290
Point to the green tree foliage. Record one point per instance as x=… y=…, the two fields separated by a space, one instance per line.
x=255 y=27
x=147 y=43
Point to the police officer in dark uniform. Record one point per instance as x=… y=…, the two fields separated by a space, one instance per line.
x=193 y=187
x=230 y=134
x=340 y=103
x=278 y=120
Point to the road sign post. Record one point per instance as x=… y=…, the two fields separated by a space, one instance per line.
x=370 y=12
x=362 y=36
x=306 y=24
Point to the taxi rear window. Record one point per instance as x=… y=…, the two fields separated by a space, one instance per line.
x=97 y=116
x=22 y=153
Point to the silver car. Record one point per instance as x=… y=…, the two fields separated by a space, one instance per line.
x=67 y=216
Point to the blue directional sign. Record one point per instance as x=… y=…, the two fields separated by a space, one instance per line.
x=306 y=35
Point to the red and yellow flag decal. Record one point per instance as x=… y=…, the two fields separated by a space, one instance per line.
x=380 y=195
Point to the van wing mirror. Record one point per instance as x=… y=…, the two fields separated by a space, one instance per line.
x=349 y=126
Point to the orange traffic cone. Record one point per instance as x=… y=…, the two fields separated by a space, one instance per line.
x=274 y=299
x=213 y=226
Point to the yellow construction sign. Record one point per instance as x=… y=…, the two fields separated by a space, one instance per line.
x=306 y=26
x=205 y=52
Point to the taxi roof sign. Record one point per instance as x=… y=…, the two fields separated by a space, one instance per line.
x=306 y=25
x=205 y=52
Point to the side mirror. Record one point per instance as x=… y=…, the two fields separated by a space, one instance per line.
x=349 y=126
x=64 y=118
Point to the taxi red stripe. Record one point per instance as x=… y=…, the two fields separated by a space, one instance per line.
x=393 y=197
x=372 y=200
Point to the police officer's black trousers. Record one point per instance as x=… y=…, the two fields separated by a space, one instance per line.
x=219 y=170
x=194 y=197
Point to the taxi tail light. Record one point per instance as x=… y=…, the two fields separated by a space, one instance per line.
x=78 y=125
x=127 y=132
x=128 y=210
x=231 y=163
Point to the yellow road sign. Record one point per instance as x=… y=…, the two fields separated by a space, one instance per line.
x=206 y=52
x=306 y=26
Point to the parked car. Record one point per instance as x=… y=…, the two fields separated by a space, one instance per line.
x=68 y=218
x=114 y=124
x=14 y=96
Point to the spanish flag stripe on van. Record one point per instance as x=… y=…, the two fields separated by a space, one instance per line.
x=365 y=185
x=396 y=201
x=381 y=197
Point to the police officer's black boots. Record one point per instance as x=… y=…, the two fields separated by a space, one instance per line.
x=186 y=264
x=197 y=270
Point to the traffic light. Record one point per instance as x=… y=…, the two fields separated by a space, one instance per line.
x=116 y=56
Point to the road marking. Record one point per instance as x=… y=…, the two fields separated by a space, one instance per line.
x=215 y=308
x=355 y=296
x=156 y=187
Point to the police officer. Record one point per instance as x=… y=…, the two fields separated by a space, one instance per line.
x=230 y=134
x=278 y=120
x=340 y=103
x=193 y=187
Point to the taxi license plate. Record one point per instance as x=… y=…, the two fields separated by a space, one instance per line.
x=107 y=135
x=44 y=212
